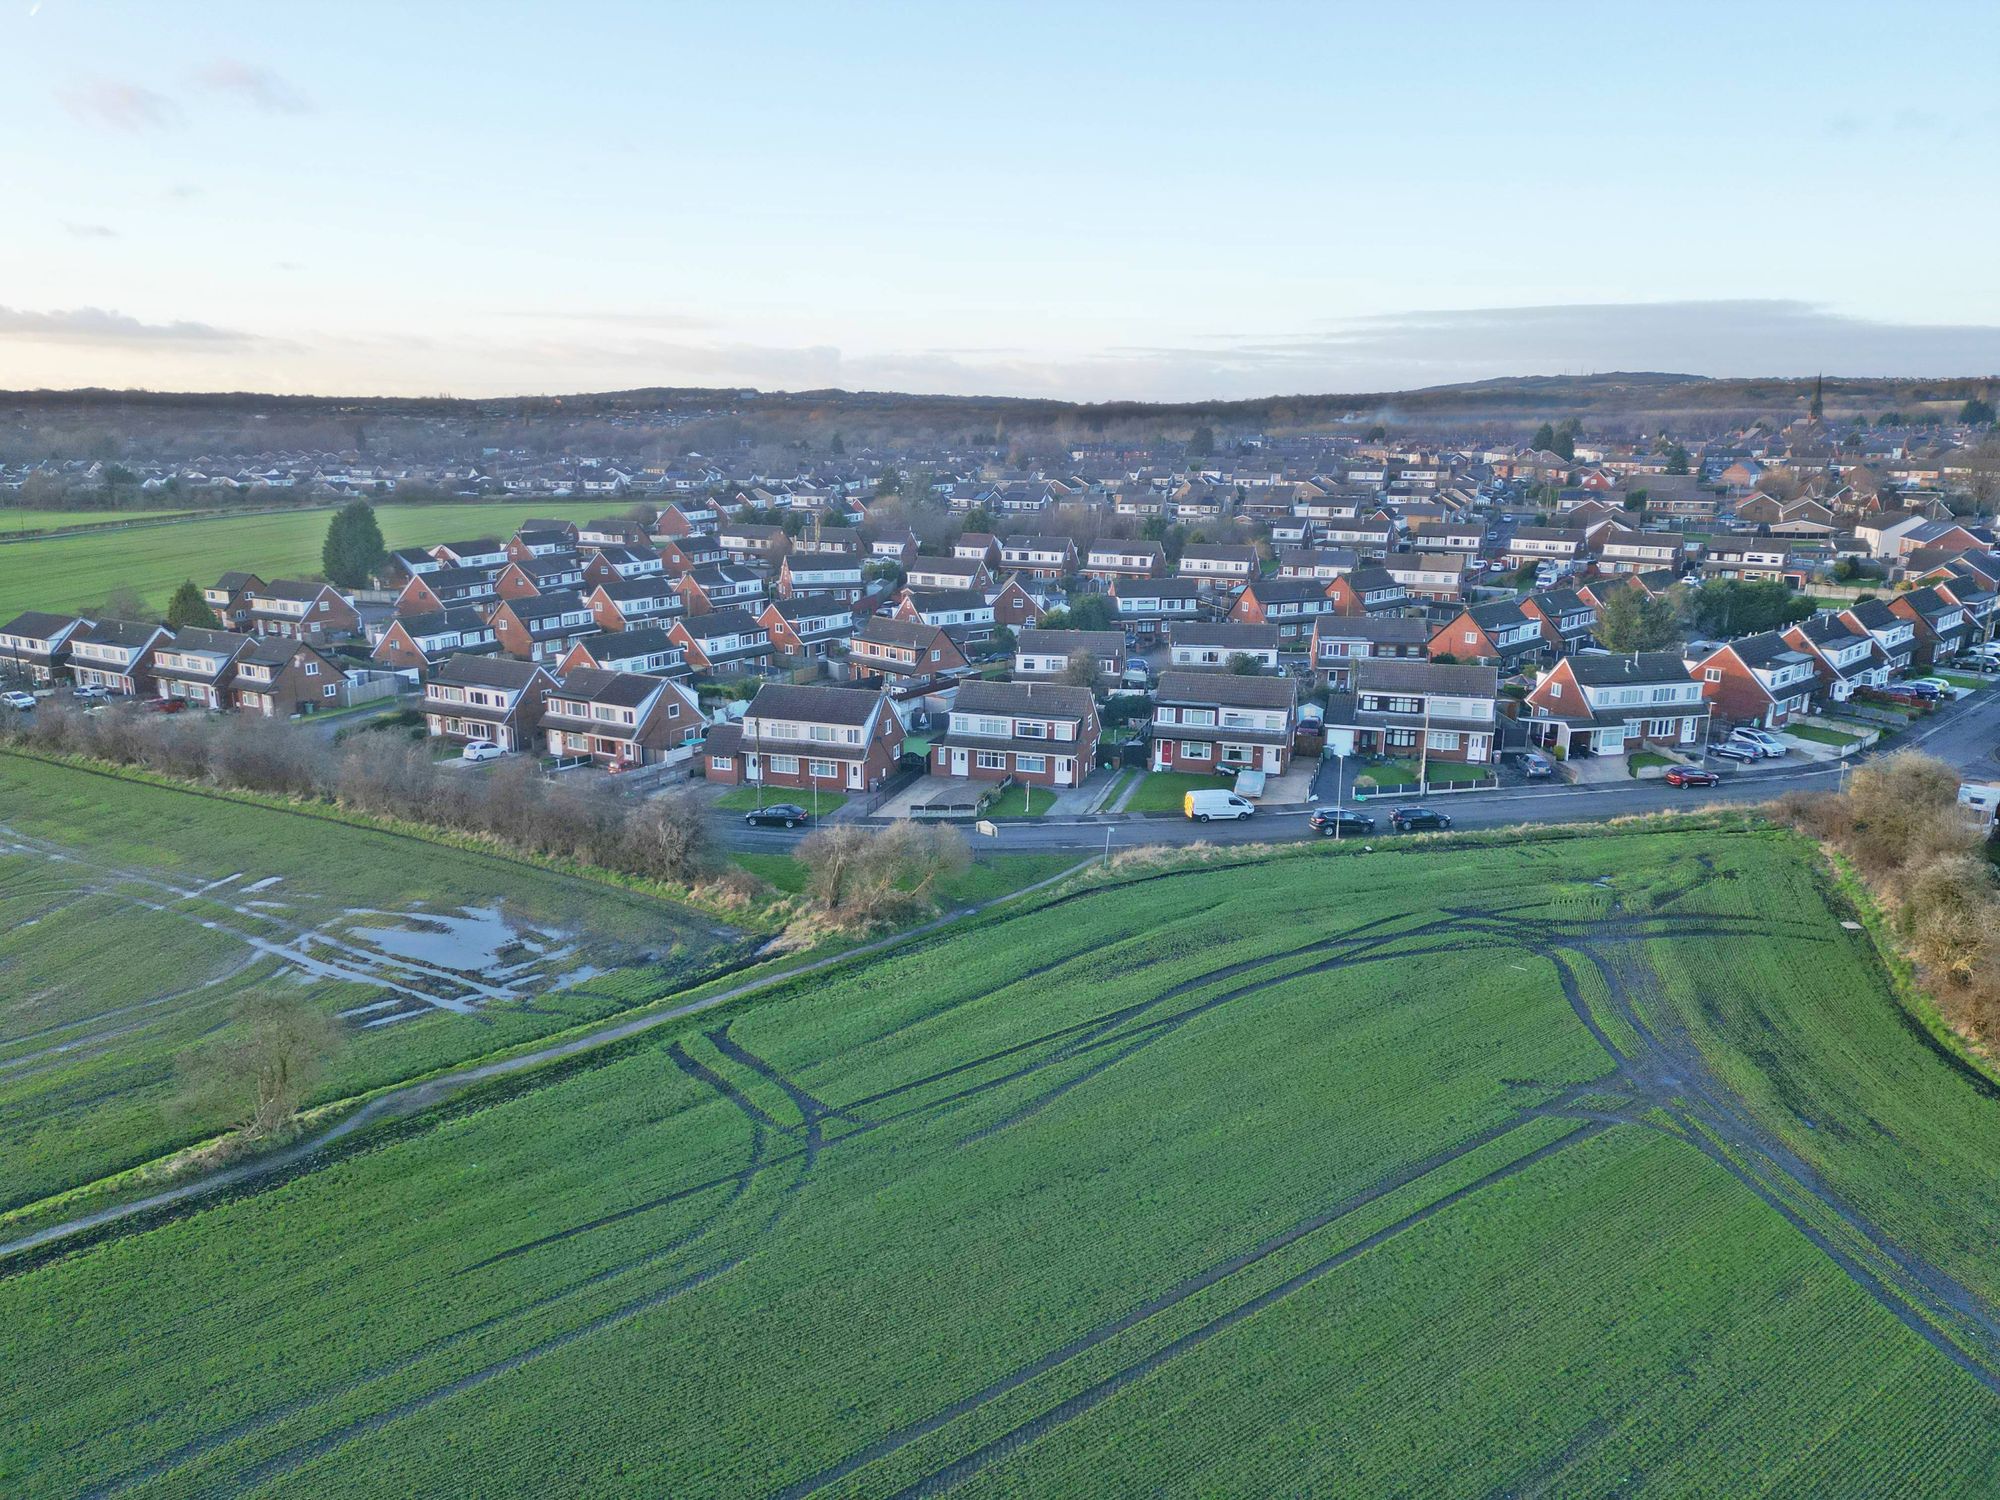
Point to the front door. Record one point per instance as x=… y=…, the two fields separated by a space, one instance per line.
x=958 y=765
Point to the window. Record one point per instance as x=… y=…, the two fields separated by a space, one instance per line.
x=719 y=762
x=1711 y=674
x=1031 y=764
x=1555 y=690
x=824 y=768
x=329 y=690
x=1195 y=749
x=785 y=765
x=1443 y=739
x=992 y=760
x=1471 y=637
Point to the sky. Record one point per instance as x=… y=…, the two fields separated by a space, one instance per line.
x=1093 y=201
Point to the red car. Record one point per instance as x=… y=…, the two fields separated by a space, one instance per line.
x=165 y=705
x=1689 y=776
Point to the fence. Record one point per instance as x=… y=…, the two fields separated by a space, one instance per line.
x=368 y=687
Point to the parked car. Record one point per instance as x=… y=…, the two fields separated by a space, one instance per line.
x=1332 y=820
x=777 y=815
x=1927 y=688
x=1136 y=675
x=18 y=700
x=1761 y=740
x=1204 y=806
x=1942 y=688
x=1537 y=766
x=1691 y=776
x=1730 y=750
x=91 y=692
x=164 y=705
x=1418 y=819
x=1312 y=717
x=478 y=750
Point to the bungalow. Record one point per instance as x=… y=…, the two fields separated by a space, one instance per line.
x=1623 y=550
x=1942 y=627
x=1368 y=591
x=413 y=642
x=1218 y=564
x=1109 y=561
x=820 y=573
x=808 y=626
x=486 y=698
x=948 y=573
x=1760 y=680
x=278 y=678
x=621 y=719
x=480 y=552
x=1289 y=604
x=625 y=603
x=834 y=739
x=1432 y=710
x=1339 y=641
x=1844 y=657
x=1499 y=633
x=1205 y=722
x=539 y=575
x=427 y=593
x=1894 y=633
x=1566 y=616
x=301 y=610
x=720 y=586
x=1040 y=733
x=1147 y=606
x=904 y=653
x=1039 y=556
x=115 y=654
x=721 y=641
x=195 y=665
x=228 y=598
x=1601 y=704
x=34 y=645
x=1045 y=655
x=647 y=649
x=1197 y=644
x=1435 y=576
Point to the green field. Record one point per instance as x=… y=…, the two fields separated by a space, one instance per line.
x=13 y=522
x=134 y=919
x=70 y=572
x=1583 y=1165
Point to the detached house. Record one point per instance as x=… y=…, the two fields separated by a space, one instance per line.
x=1340 y=641
x=621 y=719
x=835 y=739
x=1761 y=680
x=277 y=678
x=1200 y=645
x=541 y=627
x=903 y=654
x=1609 y=705
x=490 y=698
x=1845 y=658
x=35 y=645
x=301 y=611
x=1046 y=655
x=116 y=655
x=1041 y=733
x=413 y=642
x=1206 y=722
x=1423 y=709
x=196 y=665
x=722 y=641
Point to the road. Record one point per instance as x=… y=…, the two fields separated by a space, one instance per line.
x=1962 y=735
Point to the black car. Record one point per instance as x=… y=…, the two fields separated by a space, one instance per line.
x=777 y=815
x=1331 y=820
x=1417 y=819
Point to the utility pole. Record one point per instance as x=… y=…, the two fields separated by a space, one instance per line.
x=1424 y=754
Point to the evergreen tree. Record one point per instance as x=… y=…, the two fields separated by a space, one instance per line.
x=187 y=608
x=354 y=549
x=1630 y=621
x=1544 y=439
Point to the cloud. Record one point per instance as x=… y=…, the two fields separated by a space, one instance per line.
x=91 y=231
x=105 y=327
x=121 y=104
x=254 y=85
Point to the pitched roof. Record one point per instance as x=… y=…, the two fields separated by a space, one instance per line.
x=1223 y=633
x=1226 y=688
x=814 y=704
x=1378 y=674
x=37 y=625
x=598 y=685
x=980 y=696
x=1069 y=642
x=1597 y=669
x=487 y=672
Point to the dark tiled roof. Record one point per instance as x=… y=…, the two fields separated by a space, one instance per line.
x=596 y=685
x=814 y=705
x=979 y=696
x=1226 y=688
x=1224 y=633
x=1596 y=669
x=37 y=625
x=1376 y=674
x=487 y=672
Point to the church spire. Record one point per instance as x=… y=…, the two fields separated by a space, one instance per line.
x=1819 y=389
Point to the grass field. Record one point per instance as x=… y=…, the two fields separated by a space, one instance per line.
x=14 y=522
x=989 y=877
x=70 y=572
x=134 y=919
x=1601 y=1164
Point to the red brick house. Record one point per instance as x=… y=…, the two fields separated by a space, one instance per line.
x=541 y=627
x=229 y=598
x=278 y=678
x=1611 y=705
x=116 y=655
x=538 y=575
x=196 y=665
x=1761 y=680
x=1015 y=607
x=413 y=642
x=1499 y=632
x=807 y=627
x=627 y=603
x=621 y=719
x=836 y=739
x=1340 y=641
x=1368 y=591
x=489 y=698
x=1038 y=733
x=301 y=610
x=445 y=588
x=683 y=554
x=720 y=586
x=1204 y=722
x=722 y=641
x=1288 y=604
x=904 y=653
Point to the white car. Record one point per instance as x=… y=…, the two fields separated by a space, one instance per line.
x=1762 y=741
x=481 y=750
x=91 y=692
x=18 y=700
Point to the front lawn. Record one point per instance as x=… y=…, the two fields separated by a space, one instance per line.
x=1961 y=681
x=1022 y=802
x=1163 y=791
x=1644 y=760
x=1819 y=734
x=745 y=799
x=1400 y=773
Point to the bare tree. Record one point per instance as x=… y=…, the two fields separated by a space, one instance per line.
x=257 y=1076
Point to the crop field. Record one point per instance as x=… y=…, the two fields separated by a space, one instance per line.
x=134 y=919
x=1597 y=1164
x=70 y=572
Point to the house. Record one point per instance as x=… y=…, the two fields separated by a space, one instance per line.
x=196 y=665
x=551 y=541
x=1884 y=533
x=1039 y=733
x=34 y=645
x=1218 y=564
x=404 y=563
x=1364 y=536
x=1895 y=634
x=1754 y=560
x=529 y=576
x=1290 y=605
x=898 y=546
x=1039 y=556
x=948 y=573
x=646 y=649
x=1566 y=616
x=743 y=542
x=685 y=518
x=1457 y=534
x=1206 y=722
x=301 y=610
x=904 y=653
x=228 y=598
x=808 y=626
x=1339 y=641
x=1497 y=633
x=1761 y=680
x=1435 y=576
x=1942 y=627
x=618 y=530
x=1544 y=544
x=1368 y=591
x=820 y=573
x=1845 y=657
x=1323 y=563
x=1013 y=605
x=541 y=627
x=720 y=586
x=1109 y=561
x=1623 y=550
x=1601 y=704
x=978 y=546
x=1198 y=644
x=1425 y=709
x=278 y=677
x=480 y=552
x=414 y=642
x=487 y=698
x=621 y=719
x=835 y=739
x=967 y=614
x=602 y=564
x=427 y=593
x=116 y=655
x=1148 y=606
x=722 y=641
x=683 y=554
x=1046 y=655
x=627 y=603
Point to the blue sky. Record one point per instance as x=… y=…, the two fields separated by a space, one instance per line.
x=1095 y=201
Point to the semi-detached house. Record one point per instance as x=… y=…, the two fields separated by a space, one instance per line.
x=1205 y=722
x=1845 y=657
x=35 y=645
x=621 y=719
x=116 y=655
x=1049 y=654
x=492 y=698
x=196 y=665
x=1425 y=710
x=1042 y=733
x=1599 y=704
x=835 y=739
x=1760 y=680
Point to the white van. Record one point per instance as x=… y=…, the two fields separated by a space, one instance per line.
x=1204 y=806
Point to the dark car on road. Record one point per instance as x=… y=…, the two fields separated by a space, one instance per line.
x=1418 y=819
x=1332 y=820
x=777 y=815
x=1689 y=776
x=1732 y=751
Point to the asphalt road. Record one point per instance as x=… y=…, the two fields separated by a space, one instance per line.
x=1962 y=735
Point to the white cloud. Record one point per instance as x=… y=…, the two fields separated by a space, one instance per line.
x=257 y=86
x=121 y=104
x=110 y=328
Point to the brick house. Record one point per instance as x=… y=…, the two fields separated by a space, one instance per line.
x=1287 y=605
x=491 y=698
x=444 y=588
x=1368 y=591
x=1623 y=550
x=1197 y=645
x=1760 y=680
x=722 y=641
x=1046 y=655
x=1339 y=641
x=809 y=626
x=746 y=542
x=196 y=665
x=1942 y=628
x=1147 y=607
x=1014 y=606
x=1435 y=576
x=1498 y=633
x=966 y=614
x=414 y=642
x=829 y=574
x=901 y=654
x=541 y=627
x=278 y=678
x=34 y=645
x=539 y=575
x=228 y=598
x=627 y=603
x=621 y=719
x=116 y=655
x=1894 y=633
x=1610 y=705
x=837 y=739
x=1567 y=618
x=1207 y=722
x=683 y=554
x=480 y=552
x=1844 y=657
x=720 y=586
x=1426 y=710
x=301 y=610
x=540 y=541
x=603 y=564
x=647 y=649
x=1108 y=561
x=1218 y=564
x=1039 y=556
x=1041 y=733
